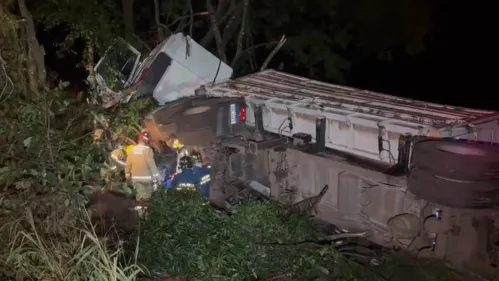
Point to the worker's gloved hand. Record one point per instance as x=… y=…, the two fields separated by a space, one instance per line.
x=159 y=180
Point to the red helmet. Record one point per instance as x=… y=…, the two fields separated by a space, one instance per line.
x=143 y=136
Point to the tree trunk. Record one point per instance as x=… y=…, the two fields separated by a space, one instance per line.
x=240 y=37
x=216 y=31
x=36 y=56
x=90 y=64
x=229 y=12
x=159 y=28
x=128 y=21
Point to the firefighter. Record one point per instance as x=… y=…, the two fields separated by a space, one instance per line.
x=139 y=136
x=181 y=152
x=203 y=173
x=116 y=163
x=141 y=169
x=128 y=148
x=118 y=157
x=186 y=179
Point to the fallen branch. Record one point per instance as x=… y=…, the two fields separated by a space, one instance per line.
x=308 y=204
x=273 y=53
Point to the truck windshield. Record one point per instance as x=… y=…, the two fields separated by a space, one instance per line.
x=117 y=65
x=155 y=72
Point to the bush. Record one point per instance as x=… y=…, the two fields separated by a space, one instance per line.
x=182 y=236
x=74 y=254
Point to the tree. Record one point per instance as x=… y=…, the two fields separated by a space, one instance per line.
x=128 y=18
x=91 y=20
x=381 y=25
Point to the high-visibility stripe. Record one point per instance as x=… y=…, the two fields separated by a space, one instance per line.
x=142 y=178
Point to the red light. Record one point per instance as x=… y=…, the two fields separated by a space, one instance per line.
x=242 y=113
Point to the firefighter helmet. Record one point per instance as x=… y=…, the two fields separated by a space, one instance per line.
x=196 y=156
x=186 y=163
x=143 y=136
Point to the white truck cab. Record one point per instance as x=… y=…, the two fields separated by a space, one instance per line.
x=174 y=69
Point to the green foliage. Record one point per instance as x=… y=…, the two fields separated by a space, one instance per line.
x=126 y=120
x=46 y=145
x=314 y=39
x=410 y=269
x=91 y=20
x=76 y=253
x=47 y=159
x=184 y=237
x=259 y=241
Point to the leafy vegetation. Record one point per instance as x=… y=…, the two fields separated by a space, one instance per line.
x=76 y=254
x=257 y=241
x=125 y=120
x=182 y=236
x=48 y=163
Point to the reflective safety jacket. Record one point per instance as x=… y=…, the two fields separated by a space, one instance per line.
x=186 y=179
x=128 y=148
x=118 y=159
x=140 y=165
x=203 y=174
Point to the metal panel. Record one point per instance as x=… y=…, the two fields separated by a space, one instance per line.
x=357 y=199
x=354 y=116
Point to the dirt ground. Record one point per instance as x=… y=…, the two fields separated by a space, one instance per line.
x=112 y=212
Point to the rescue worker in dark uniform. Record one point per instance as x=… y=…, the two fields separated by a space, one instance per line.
x=186 y=179
x=203 y=173
x=181 y=152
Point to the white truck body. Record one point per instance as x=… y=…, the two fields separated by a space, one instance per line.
x=360 y=198
x=355 y=119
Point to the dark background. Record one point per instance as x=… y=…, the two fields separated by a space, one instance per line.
x=451 y=69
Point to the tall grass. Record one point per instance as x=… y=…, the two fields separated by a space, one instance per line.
x=74 y=254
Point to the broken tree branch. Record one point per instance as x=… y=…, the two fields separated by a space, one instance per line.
x=216 y=32
x=273 y=53
x=242 y=32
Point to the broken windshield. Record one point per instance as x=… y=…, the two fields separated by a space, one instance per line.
x=117 y=65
